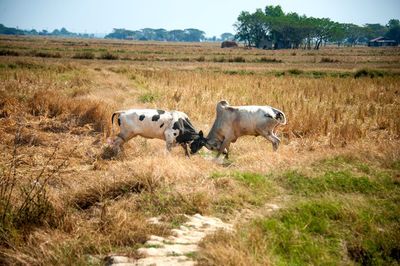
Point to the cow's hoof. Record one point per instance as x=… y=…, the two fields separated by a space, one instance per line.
x=109 y=152
x=275 y=146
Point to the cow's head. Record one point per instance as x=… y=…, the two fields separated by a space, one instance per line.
x=198 y=142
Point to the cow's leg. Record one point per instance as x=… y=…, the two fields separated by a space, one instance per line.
x=224 y=148
x=118 y=141
x=271 y=137
x=169 y=139
x=185 y=147
x=226 y=153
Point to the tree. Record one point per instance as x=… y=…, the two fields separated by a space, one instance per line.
x=243 y=28
x=372 y=31
x=193 y=35
x=148 y=34
x=274 y=11
x=338 y=34
x=161 y=34
x=227 y=36
x=324 y=29
x=393 y=30
x=353 y=33
x=176 y=35
x=251 y=28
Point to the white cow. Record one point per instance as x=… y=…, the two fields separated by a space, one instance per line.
x=174 y=127
x=233 y=122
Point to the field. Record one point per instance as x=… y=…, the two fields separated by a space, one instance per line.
x=335 y=178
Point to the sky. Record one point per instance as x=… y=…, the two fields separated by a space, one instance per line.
x=214 y=17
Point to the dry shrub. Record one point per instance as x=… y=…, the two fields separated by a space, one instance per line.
x=51 y=104
x=108 y=56
x=106 y=190
x=83 y=55
x=46 y=54
x=24 y=201
x=8 y=106
x=170 y=204
x=126 y=228
x=54 y=126
x=329 y=60
x=29 y=137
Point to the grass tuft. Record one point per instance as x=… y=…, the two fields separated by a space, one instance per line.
x=369 y=73
x=83 y=55
x=108 y=56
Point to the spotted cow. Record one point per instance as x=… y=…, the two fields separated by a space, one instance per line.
x=233 y=122
x=174 y=127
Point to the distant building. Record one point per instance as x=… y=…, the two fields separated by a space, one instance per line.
x=382 y=41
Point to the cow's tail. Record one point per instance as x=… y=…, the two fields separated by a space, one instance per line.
x=118 y=113
x=221 y=105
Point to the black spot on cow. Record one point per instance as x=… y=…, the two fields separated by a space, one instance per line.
x=268 y=115
x=155 y=118
x=176 y=125
x=141 y=117
x=160 y=112
x=175 y=134
x=119 y=121
x=161 y=125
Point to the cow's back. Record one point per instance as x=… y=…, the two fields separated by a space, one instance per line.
x=148 y=123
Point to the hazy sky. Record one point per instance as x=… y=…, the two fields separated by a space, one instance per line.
x=212 y=16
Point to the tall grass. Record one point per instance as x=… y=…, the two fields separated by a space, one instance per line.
x=50 y=104
x=25 y=202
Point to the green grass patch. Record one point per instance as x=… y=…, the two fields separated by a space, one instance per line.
x=295 y=72
x=336 y=181
x=325 y=231
x=252 y=180
x=303 y=235
x=192 y=255
x=371 y=73
x=238 y=72
x=6 y=52
x=240 y=189
x=343 y=212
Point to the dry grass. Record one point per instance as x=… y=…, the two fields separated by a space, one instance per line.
x=101 y=206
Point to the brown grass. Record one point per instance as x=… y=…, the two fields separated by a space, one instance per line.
x=105 y=204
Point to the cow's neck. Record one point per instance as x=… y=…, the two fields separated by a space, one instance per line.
x=213 y=137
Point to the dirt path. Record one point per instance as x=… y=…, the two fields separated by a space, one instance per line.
x=177 y=249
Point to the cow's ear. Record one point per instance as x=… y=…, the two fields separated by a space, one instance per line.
x=201 y=133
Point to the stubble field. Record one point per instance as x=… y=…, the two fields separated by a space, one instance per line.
x=335 y=176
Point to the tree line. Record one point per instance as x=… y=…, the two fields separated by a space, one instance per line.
x=186 y=35
x=149 y=34
x=57 y=32
x=272 y=28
